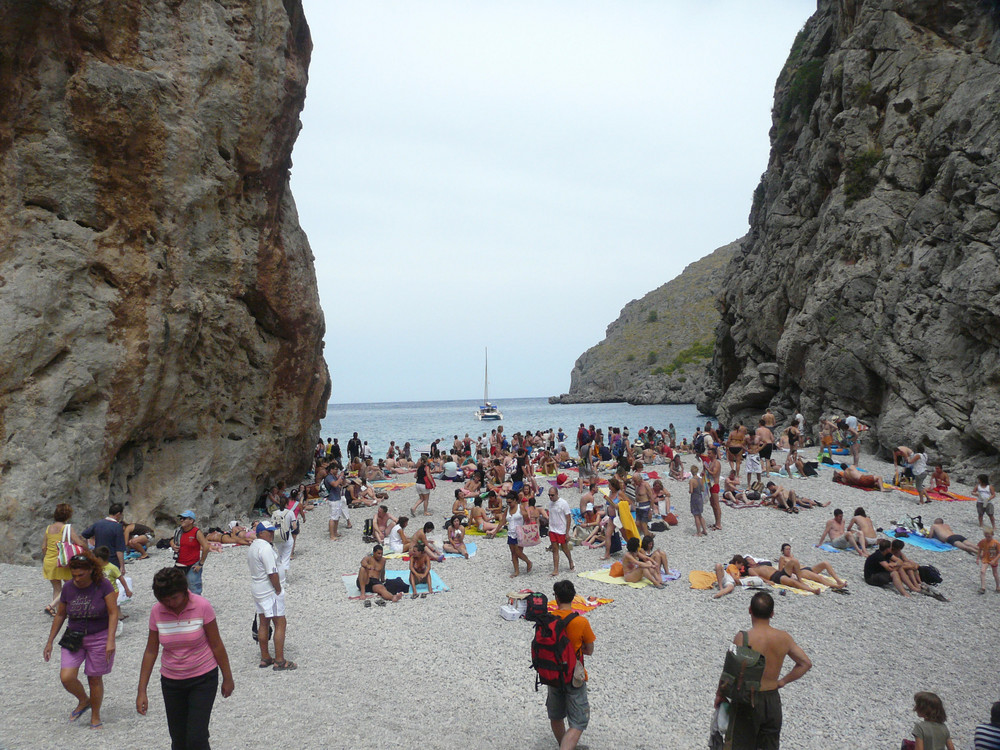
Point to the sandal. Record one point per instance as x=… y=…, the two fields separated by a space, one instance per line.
x=415 y=595
x=50 y=611
x=368 y=603
x=285 y=666
x=423 y=596
x=98 y=725
x=79 y=712
x=380 y=602
x=265 y=663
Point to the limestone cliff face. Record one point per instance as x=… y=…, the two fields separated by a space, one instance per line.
x=161 y=337
x=658 y=349
x=869 y=281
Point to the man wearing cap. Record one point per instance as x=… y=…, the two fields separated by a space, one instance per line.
x=191 y=548
x=268 y=597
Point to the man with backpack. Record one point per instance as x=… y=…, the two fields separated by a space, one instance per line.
x=755 y=714
x=570 y=638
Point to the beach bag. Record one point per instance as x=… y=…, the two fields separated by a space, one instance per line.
x=72 y=640
x=552 y=655
x=699 y=444
x=282 y=522
x=429 y=482
x=528 y=535
x=809 y=468
x=658 y=526
x=929 y=574
x=752 y=495
x=561 y=478
x=671 y=519
x=253 y=629
x=66 y=549
x=741 y=673
x=536 y=606
x=617 y=570
x=368 y=535
x=616 y=543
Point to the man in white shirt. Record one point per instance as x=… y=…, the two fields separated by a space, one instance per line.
x=560 y=521
x=268 y=597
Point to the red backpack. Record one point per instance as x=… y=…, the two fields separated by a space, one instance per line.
x=552 y=655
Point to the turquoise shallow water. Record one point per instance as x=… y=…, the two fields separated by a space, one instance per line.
x=420 y=422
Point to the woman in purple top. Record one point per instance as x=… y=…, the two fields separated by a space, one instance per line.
x=193 y=654
x=91 y=605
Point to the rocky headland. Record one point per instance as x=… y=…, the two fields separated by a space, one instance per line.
x=162 y=336
x=659 y=348
x=869 y=280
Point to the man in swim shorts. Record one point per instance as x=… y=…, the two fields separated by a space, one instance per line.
x=851 y=477
x=840 y=538
x=765 y=438
x=371 y=576
x=944 y=533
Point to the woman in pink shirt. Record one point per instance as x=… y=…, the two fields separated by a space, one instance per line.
x=193 y=653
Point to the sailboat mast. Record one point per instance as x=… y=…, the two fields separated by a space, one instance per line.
x=486 y=379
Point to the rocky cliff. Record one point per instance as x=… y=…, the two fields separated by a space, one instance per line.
x=869 y=281
x=162 y=336
x=658 y=349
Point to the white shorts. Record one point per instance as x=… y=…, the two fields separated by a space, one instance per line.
x=753 y=463
x=272 y=605
x=396 y=547
x=422 y=490
x=338 y=510
x=728 y=580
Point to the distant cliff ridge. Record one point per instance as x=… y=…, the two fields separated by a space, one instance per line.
x=162 y=338
x=870 y=279
x=658 y=349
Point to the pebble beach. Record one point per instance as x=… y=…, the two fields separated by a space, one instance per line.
x=448 y=672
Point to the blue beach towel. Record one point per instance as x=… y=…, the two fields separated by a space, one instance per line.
x=829 y=548
x=350 y=582
x=934 y=545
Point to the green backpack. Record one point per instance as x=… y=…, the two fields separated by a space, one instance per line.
x=741 y=673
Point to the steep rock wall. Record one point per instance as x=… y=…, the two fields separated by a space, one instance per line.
x=162 y=336
x=659 y=348
x=869 y=281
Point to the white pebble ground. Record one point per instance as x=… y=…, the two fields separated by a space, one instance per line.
x=448 y=672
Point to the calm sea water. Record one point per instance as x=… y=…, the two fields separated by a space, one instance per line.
x=421 y=422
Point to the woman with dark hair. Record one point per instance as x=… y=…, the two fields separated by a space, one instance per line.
x=456 y=537
x=423 y=478
x=55 y=533
x=92 y=608
x=193 y=653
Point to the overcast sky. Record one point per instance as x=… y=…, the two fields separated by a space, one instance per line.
x=511 y=174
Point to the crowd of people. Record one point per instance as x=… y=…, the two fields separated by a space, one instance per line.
x=495 y=485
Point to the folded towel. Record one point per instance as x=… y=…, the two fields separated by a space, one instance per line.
x=701 y=579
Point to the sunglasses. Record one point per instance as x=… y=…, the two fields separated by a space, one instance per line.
x=79 y=558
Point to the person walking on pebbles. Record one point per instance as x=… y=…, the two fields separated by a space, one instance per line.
x=560 y=521
x=268 y=597
x=988 y=557
x=567 y=703
x=758 y=725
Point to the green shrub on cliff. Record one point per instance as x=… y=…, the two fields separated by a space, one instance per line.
x=860 y=177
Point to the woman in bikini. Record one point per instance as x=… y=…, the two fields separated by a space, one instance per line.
x=677 y=467
x=456 y=537
x=477 y=517
x=236 y=535
x=636 y=569
x=775 y=576
x=661 y=496
x=735 y=446
x=658 y=557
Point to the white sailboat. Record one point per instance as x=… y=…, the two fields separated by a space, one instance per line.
x=488 y=411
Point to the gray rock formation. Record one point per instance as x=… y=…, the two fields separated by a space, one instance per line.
x=870 y=274
x=162 y=335
x=658 y=349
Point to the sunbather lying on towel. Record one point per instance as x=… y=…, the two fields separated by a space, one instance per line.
x=853 y=478
x=792 y=567
x=943 y=532
x=775 y=576
x=728 y=577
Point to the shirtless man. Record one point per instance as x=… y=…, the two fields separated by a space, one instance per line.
x=791 y=566
x=590 y=495
x=940 y=480
x=850 y=476
x=943 y=532
x=759 y=725
x=643 y=503
x=865 y=526
x=765 y=439
x=713 y=469
x=775 y=576
x=371 y=577
x=768 y=419
x=901 y=463
x=840 y=537
x=420 y=569
x=382 y=523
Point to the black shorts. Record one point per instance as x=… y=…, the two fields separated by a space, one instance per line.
x=776 y=576
x=765 y=452
x=955 y=538
x=370 y=586
x=757 y=727
x=879 y=579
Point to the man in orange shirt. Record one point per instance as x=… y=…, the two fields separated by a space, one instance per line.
x=567 y=702
x=988 y=557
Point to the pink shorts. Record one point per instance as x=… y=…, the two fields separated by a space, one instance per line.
x=93 y=652
x=557 y=538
